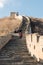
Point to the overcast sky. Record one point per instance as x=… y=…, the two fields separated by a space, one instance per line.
x=24 y=7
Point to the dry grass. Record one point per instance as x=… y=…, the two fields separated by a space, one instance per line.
x=8 y=25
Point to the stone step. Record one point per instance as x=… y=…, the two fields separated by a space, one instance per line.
x=15 y=53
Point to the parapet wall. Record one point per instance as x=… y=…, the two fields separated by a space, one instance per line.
x=35 y=45
x=4 y=40
x=34 y=38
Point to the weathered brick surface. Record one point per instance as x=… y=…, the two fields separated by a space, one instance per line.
x=15 y=53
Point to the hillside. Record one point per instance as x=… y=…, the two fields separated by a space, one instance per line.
x=9 y=24
x=13 y=22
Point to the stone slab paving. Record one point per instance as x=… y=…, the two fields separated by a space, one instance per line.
x=15 y=53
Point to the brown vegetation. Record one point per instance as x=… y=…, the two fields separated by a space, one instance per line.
x=8 y=25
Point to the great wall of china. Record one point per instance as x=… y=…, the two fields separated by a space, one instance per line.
x=21 y=51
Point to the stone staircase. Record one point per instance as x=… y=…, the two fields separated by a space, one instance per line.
x=15 y=53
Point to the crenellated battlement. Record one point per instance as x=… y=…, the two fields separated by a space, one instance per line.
x=35 y=45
